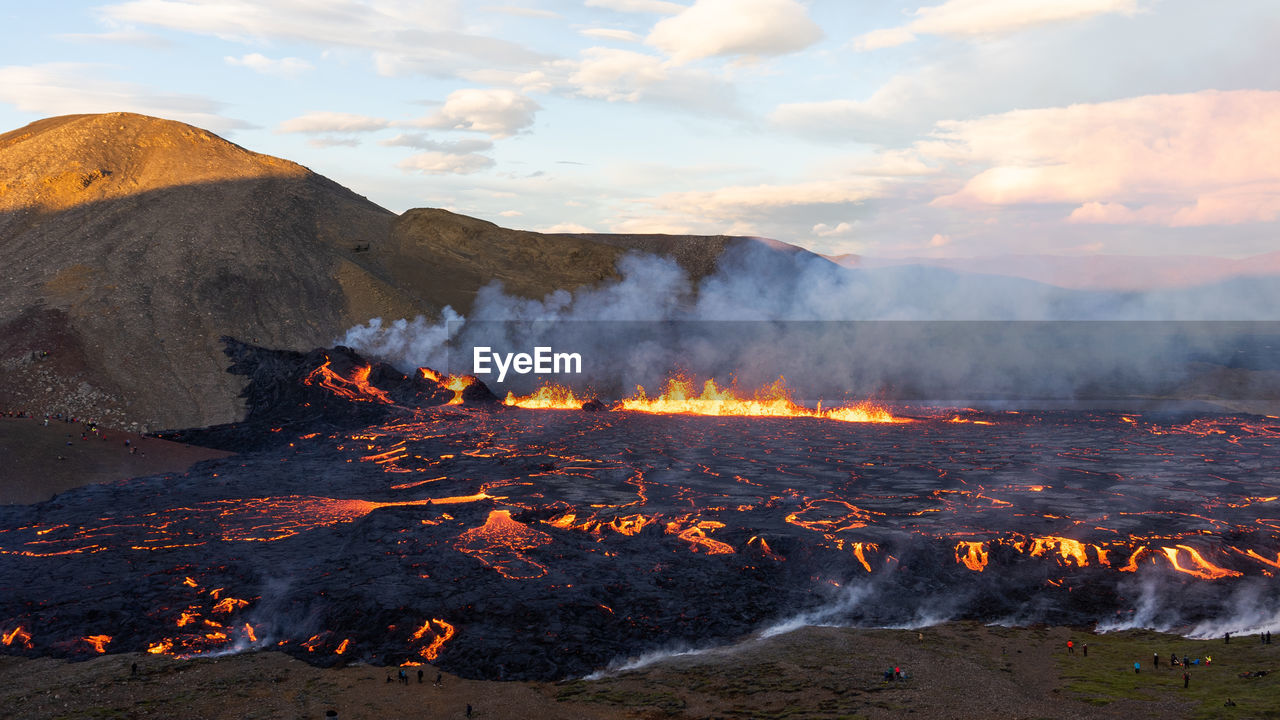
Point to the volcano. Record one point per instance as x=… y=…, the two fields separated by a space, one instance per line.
x=133 y=243
x=388 y=518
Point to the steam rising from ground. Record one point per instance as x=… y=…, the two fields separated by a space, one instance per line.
x=766 y=313
x=1157 y=606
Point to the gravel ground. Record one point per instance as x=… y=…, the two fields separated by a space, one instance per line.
x=956 y=670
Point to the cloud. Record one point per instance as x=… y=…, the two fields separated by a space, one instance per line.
x=68 y=88
x=890 y=163
x=328 y=141
x=421 y=141
x=1204 y=158
x=442 y=163
x=659 y=7
x=969 y=18
x=939 y=240
x=498 y=112
x=825 y=230
x=738 y=199
x=626 y=76
x=424 y=36
x=567 y=227
x=883 y=38
x=284 y=67
x=332 y=122
x=894 y=110
x=510 y=213
x=766 y=209
x=133 y=37
x=522 y=12
x=610 y=34
x=727 y=28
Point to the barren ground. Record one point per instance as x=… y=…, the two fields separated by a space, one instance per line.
x=956 y=670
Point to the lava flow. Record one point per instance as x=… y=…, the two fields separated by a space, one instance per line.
x=522 y=544
x=678 y=398
x=547 y=397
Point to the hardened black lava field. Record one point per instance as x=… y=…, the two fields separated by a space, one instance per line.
x=509 y=543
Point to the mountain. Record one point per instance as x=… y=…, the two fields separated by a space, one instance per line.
x=132 y=244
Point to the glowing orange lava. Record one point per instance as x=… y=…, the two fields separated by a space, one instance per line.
x=501 y=544
x=1200 y=567
x=773 y=401
x=458 y=383
x=98 y=642
x=694 y=532
x=17 y=635
x=439 y=633
x=548 y=397
x=356 y=387
x=973 y=554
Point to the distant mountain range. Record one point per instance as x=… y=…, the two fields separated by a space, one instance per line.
x=1110 y=273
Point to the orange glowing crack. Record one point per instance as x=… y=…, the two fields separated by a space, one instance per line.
x=973 y=554
x=17 y=635
x=1201 y=568
x=357 y=387
x=623 y=525
x=764 y=548
x=229 y=605
x=696 y=535
x=1067 y=549
x=829 y=516
x=162 y=647
x=1132 y=565
x=98 y=642
x=1254 y=554
x=439 y=631
x=269 y=519
x=501 y=543
x=859 y=551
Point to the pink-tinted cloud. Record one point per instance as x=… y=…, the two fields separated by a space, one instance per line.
x=1205 y=158
x=989 y=17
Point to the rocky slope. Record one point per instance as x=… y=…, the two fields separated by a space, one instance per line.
x=132 y=244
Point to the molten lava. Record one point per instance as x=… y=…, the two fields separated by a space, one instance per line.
x=1200 y=567
x=357 y=387
x=17 y=636
x=773 y=401
x=548 y=397
x=98 y=642
x=501 y=543
x=973 y=554
x=436 y=632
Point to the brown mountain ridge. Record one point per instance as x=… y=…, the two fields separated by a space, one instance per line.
x=131 y=244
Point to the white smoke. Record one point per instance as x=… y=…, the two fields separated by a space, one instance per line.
x=795 y=304
x=831 y=614
x=407 y=344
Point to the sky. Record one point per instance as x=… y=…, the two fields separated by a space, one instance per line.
x=960 y=128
